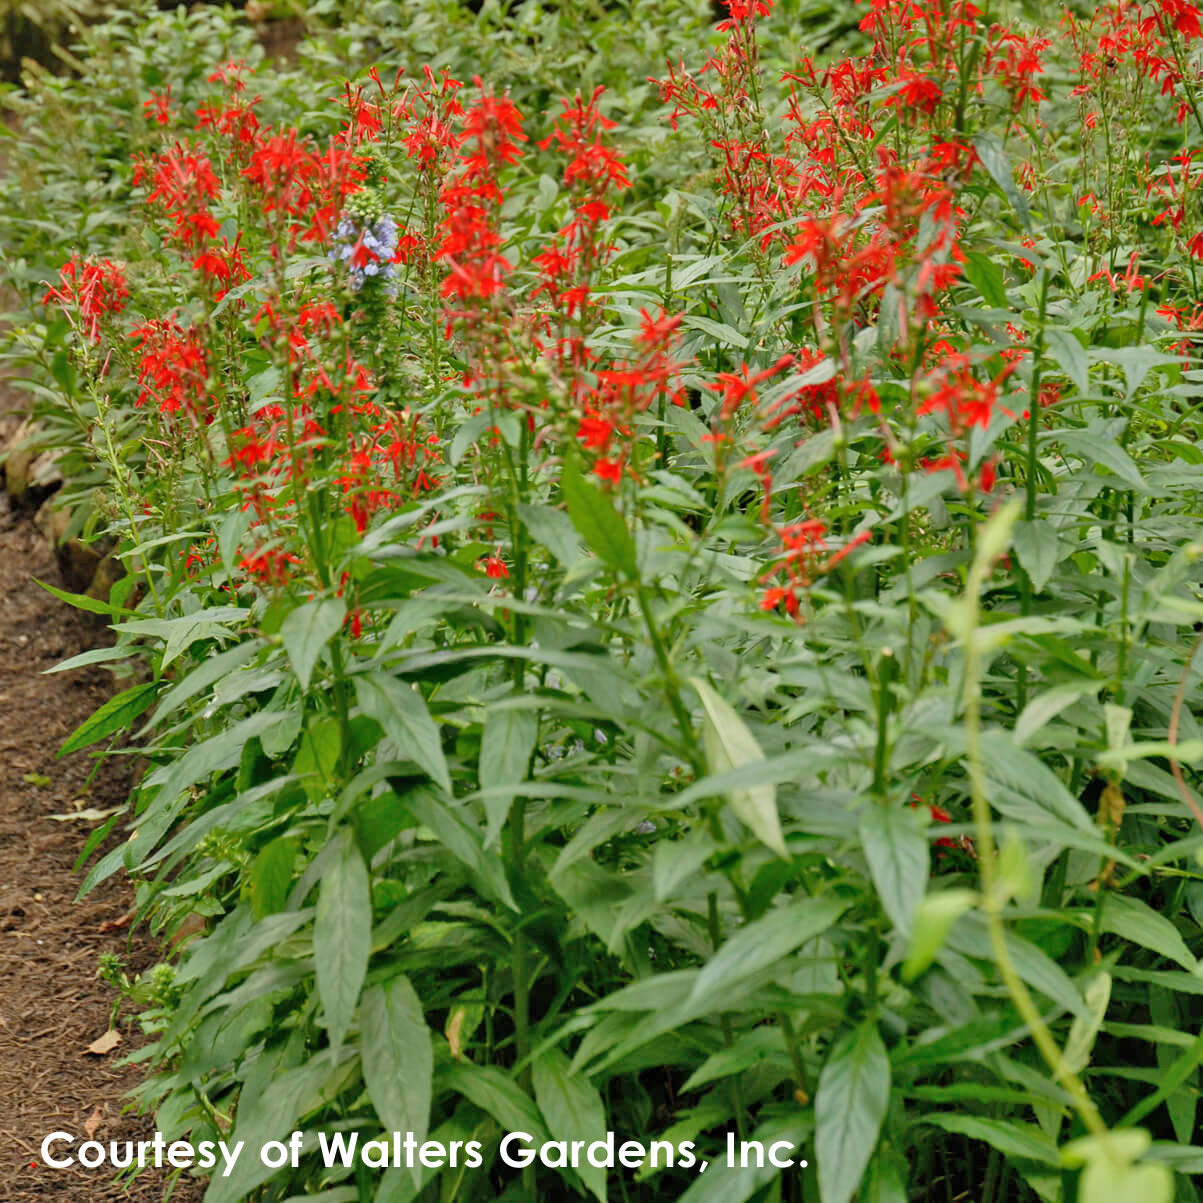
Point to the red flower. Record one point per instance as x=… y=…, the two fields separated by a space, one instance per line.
x=158 y=107
x=492 y=128
x=271 y=565
x=1184 y=16
x=595 y=432
x=608 y=470
x=184 y=184
x=94 y=289
x=736 y=386
x=805 y=558
x=222 y=265
x=173 y=371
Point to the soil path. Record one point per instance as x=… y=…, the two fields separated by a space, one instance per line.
x=52 y=1005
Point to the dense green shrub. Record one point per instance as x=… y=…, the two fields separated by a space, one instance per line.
x=665 y=609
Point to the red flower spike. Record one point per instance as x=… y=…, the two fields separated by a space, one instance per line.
x=93 y=289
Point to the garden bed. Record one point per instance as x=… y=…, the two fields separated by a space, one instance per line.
x=655 y=574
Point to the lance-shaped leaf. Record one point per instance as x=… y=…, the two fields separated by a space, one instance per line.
x=342 y=936
x=117 y=714
x=765 y=940
x=402 y=712
x=307 y=629
x=730 y=745
x=854 y=1090
x=573 y=1110
x=398 y=1057
x=599 y=523
x=505 y=752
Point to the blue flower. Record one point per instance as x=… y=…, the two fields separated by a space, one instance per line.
x=367 y=247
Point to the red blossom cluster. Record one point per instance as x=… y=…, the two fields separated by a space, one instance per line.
x=158 y=107
x=327 y=436
x=431 y=113
x=380 y=456
x=93 y=290
x=623 y=390
x=805 y=557
x=302 y=185
x=389 y=463
x=222 y=266
x=723 y=97
x=592 y=172
x=233 y=119
x=299 y=185
x=823 y=399
x=173 y=369
x=472 y=196
x=184 y=185
x=1155 y=38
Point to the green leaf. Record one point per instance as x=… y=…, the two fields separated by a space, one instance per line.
x=398 y=1056
x=1043 y=708
x=401 y=711
x=933 y=921
x=675 y=862
x=1136 y=921
x=342 y=936
x=316 y=761
x=206 y=674
x=1182 y=1104
x=81 y=601
x=505 y=752
x=898 y=857
x=972 y=939
x=1100 y=449
x=986 y=276
x=736 y=1183
x=272 y=875
x=462 y=841
x=990 y=151
x=117 y=714
x=1009 y=1137
x=886 y=1182
x=599 y=523
x=467 y=434
x=730 y=745
x=724 y=333
x=854 y=1091
x=1070 y=356
x=554 y=530
x=272 y=1115
x=498 y=1094
x=1085 y=1028
x=573 y=1110
x=306 y=630
x=1136 y=362
x=1036 y=546
x=98 y=655
x=751 y=1048
x=1024 y=788
x=765 y=941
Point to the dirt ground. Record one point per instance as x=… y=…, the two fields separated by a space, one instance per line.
x=52 y=1005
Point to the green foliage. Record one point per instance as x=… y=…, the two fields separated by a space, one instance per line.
x=755 y=695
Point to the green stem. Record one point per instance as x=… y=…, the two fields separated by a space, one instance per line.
x=672 y=683
x=992 y=897
x=737 y=1105
x=887 y=667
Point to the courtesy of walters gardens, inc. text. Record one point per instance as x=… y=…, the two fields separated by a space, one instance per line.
x=62 y=1150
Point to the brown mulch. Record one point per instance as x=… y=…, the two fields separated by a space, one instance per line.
x=52 y=1004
